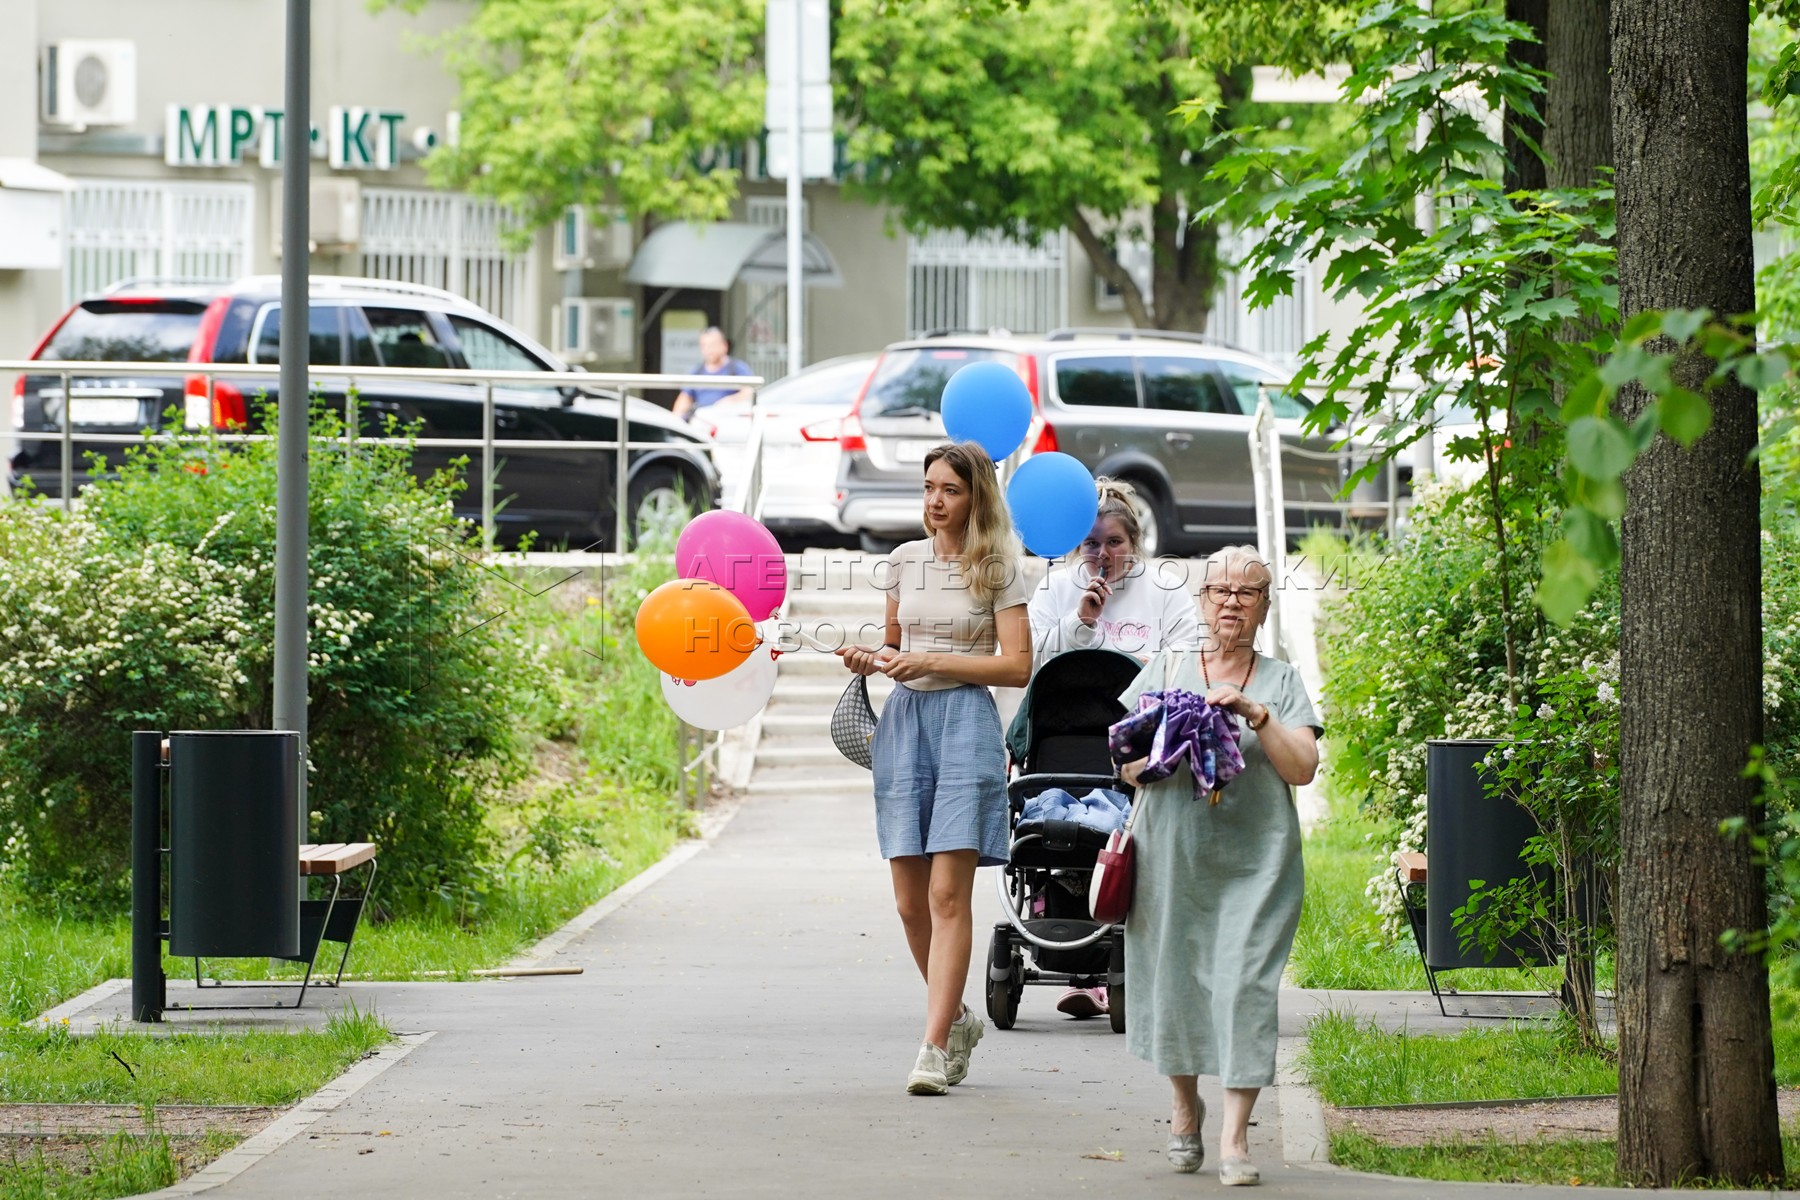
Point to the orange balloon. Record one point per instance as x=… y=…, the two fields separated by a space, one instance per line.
x=694 y=629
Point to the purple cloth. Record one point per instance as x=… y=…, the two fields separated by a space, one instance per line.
x=1173 y=727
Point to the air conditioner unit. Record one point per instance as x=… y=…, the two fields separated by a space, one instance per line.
x=333 y=215
x=596 y=329
x=89 y=82
x=592 y=241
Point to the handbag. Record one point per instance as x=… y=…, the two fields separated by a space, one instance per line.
x=853 y=723
x=1115 y=872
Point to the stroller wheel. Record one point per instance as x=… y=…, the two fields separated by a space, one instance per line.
x=1115 y=983
x=1003 y=994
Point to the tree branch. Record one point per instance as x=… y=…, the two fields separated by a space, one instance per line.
x=1106 y=265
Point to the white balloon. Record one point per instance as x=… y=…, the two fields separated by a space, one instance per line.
x=730 y=699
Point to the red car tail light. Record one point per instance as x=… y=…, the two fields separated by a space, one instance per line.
x=1046 y=440
x=850 y=430
x=822 y=431
x=18 y=403
x=226 y=410
x=1029 y=373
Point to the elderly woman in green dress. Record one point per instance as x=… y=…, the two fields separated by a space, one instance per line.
x=1218 y=887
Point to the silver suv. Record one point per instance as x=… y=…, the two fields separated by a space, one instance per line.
x=1171 y=413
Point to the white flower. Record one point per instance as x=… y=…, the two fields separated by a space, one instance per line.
x=1604 y=693
x=1545 y=712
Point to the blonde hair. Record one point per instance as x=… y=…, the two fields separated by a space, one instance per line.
x=1116 y=498
x=990 y=548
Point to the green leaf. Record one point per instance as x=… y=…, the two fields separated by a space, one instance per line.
x=1641 y=326
x=1686 y=415
x=1585 y=398
x=1604 y=498
x=1681 y=324
x=1535 y=400
x=1599 y=447
x=1593 y=538
x=1569 y=579
x=1644 y=429
x=1763 y=371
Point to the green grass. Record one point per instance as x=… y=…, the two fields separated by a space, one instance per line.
x=1340 y=943
x=1569 y=1163
x=598 y=812
x=1355 y=1063
x=121 y=1165
x=52 y=1066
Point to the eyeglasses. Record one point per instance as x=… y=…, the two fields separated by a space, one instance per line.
x=1246 y=596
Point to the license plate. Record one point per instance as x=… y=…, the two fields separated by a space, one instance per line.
x=110 y=411
x=912 y=452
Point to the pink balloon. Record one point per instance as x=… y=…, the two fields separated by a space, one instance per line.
x=739 y=555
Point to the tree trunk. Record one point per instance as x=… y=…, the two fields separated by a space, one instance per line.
x=1578 y=106
x=1696 y=1077
x=1524 y=169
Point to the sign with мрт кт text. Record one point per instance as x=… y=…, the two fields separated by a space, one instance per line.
x=223 y=135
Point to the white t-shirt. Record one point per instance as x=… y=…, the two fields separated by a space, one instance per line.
x=1146 y=612
x=939 y=612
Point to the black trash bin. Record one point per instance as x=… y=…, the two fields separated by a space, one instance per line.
x=234 y=844
x=1470 y=835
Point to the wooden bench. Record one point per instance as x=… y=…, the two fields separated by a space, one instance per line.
x=334 y=919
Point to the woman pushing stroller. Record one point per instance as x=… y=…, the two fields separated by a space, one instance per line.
x=1108 y=598
x=953 y=598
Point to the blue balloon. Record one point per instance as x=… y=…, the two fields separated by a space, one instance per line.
x=1053 y=503
x=986 y=403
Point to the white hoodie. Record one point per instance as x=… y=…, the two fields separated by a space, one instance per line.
x=1147 y=611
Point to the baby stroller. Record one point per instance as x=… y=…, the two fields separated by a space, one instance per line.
x=1058 y=740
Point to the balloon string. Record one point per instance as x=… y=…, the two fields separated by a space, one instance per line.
x=809 y=640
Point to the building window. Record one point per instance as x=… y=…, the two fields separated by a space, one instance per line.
x=178 y=232
x=450 y=241
x=955 y=281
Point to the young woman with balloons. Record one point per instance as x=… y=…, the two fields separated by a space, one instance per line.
x=956 y=626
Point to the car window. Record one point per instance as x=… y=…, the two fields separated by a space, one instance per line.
x=362 y=340
x=1097 y=382
x=914 y=379
x=1176 y=384
x=488 y=349
x=825 y=385
x=405 y=338
x=1244 y=381
x=127 y=331
x=324 y=335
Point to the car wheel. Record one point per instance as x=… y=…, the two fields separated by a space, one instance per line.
x=659 y=504
x=1154 y=527
x=876 y=545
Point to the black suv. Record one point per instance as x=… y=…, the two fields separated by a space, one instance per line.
x=567 y=497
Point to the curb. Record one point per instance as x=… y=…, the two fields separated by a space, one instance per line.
x=296 y=1121
x=1305 y=1142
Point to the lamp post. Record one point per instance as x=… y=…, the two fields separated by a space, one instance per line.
x=289 y=708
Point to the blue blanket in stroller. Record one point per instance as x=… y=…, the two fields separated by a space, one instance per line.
x=1102 y=808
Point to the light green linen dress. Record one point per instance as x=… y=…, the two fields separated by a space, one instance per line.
x=1217 y=897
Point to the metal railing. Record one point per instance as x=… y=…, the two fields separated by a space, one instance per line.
x=620 y=387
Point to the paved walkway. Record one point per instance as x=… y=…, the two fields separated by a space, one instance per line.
x=744 y=1027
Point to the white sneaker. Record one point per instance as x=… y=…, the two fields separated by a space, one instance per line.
x=928 y=1076
x=965 y=1031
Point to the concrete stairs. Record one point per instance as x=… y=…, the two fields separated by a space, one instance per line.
x=832 y=597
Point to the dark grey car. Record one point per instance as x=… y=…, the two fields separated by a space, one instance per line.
x=1169 y=414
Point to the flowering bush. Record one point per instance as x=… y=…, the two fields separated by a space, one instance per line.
x=151 y=606
x=1414 y=654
